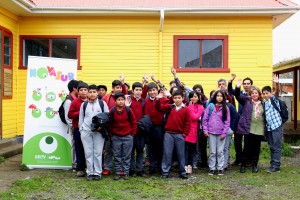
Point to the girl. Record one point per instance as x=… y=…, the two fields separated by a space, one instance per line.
x=196 y=109
x=216 y=122
x=251 y=124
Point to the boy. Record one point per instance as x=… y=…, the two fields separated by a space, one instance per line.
x=72 y=87
x=122 y=129
x=74 y=115
x=178 y=124
x=92 y=141
x=102 y=89
x=117 y=86
x=274 y=129
x=137 y=106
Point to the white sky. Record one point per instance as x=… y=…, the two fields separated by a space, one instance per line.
x=286 y=39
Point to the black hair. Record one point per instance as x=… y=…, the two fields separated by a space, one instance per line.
x=82 y=85
x=128 y=85
x=152 y=85
x=119 y=94
x=224 y=109
x=266 y=88
x=211 y=93
x=116 y=83
x=102 y=86
x=93 y=87
x=248 y=79
x=177 y=93
x=136 y=84
x=198 y=86
x=171 y=82
x=200 y=98
x=72 y=84
x=172 y=89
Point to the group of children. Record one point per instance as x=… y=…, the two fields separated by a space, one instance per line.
x=174 y=125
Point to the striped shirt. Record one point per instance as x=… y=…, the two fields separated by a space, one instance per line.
x=273 y=117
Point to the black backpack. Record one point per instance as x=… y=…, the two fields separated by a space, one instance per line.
x=284 y=113
x=86 y=102
x=61 y=110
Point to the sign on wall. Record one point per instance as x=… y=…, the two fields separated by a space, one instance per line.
x=47 y=143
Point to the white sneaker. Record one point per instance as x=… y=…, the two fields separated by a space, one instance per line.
x=189 y=169
x=186 y=168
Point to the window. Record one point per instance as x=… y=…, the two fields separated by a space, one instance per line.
x=201 y=53
x=6 y=58
x=49 y=46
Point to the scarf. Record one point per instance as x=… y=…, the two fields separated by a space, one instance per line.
x=256 y=109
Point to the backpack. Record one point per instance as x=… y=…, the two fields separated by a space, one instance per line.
x=85 y=105
x=283 y=110
x=113 y=109
x=167 y=114
x=61 y=110
x=211 y=108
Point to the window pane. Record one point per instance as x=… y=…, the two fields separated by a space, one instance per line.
x=6 y=60
x=188 y=53
x=6 y=50
x=6 y=40
x=64 y=48
x=212 y=54
x=35 y=47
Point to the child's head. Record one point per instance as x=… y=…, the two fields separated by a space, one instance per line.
x=102 y=89
x=137 y=89
x=127 y=85
x=177 y=97
x=198 y=88
x=82 y=90
x=175 y=88
x=254 y=93
x=72 y=86
x=195 y=97
x=219 y=97
x=211 y=93
x=93 y=93
x=267 y=92
x=152 y=89
x=116 y=86
x=172 y=84
x=120 y=99
x=247 y=83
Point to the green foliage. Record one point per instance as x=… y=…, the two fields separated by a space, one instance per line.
x=287 y=150
x=24 y=167
x=2 y=159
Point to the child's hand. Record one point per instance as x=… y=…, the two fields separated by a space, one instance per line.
x=166 y=93
x=122 y=78
x=206 y=134
x=99 y=129
x=154 y=78
x=191 y=102
x=275 y=78
x=173 y=71
x=145 y=79
x=128 y=100
x=222 y=137
x=239 y=83
x=160 y=95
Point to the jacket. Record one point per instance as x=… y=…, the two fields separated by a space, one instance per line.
x=214 y=124
x=196 y=111
x=145 y=124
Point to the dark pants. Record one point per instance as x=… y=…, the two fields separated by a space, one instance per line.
x=137 y=152
x=202 y=140
x=275 y=143
x=122 y=147
x=238 y=147
x=79 y=151
x=171 y=141
x=190 y=150
x=156 y=147
x=251 y=147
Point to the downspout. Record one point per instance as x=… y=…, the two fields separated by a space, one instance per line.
x=160 y=39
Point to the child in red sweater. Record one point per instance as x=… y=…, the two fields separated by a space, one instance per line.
x=177 y=127
x=122 y=129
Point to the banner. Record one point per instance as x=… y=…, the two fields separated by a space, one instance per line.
x=47 y=143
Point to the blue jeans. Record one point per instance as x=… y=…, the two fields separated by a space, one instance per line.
x=80 y=158
x=275 y=143
x=216 y=152
x=171 y=141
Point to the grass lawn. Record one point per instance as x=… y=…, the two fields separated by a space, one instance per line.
x=61 y=184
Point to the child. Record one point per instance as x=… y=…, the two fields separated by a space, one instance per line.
x=196 y=109
x=122 y=129
x=178 y=124
x=102 y=89
x=74 y=115
x=274 y=129
x=215 y=127
x=92 y=141
x=137 y=104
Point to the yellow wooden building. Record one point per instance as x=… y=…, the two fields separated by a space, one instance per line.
x=204 y=40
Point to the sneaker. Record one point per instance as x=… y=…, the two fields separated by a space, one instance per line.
x=80 y=174
x=185 y=168
x=106 y=172
x=117 y=177
x=97 y=177
x=211 y=172
x=90 y=177
x=189 y=169
x=220 y=172
x=272 y=169
x=131 y=172
x=121 y=172
x=126 y=177
x=183 y=176
x=140 y=173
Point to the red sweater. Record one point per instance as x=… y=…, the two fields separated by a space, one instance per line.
x=156 y=116
x=137 y=107
x=120 y=125
x=74 y=111
x=179 y=121
x=110 y=99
